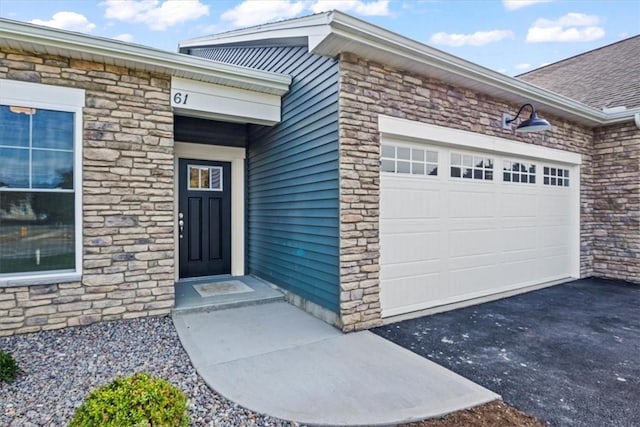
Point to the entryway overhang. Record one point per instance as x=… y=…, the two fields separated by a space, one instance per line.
x=204 y=100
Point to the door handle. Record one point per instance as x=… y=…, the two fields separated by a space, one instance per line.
x=181 y=224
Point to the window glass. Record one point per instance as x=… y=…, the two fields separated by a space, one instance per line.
x=14 y=126
x=471 y=167
x=205 y=177
x=37 y=199
x=518 y=171
x=409 y=160
x=558 y=177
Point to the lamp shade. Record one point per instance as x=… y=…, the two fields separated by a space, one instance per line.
x=533 y=124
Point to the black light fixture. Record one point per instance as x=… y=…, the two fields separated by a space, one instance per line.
x=532 y=124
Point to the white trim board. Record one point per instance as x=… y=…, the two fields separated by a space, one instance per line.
x=235 y=155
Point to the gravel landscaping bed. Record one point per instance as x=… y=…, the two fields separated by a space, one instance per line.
x=61 y=367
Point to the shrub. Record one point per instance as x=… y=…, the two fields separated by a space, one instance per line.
x=139 y=400
x=9 y=369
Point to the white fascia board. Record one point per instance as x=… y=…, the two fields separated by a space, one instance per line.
x=308 y=26
x=417 y=131
x=142 y=56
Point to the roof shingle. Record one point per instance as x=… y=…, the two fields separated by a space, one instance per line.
x=602 y=78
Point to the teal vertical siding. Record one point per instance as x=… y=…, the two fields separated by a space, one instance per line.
x=292 y=175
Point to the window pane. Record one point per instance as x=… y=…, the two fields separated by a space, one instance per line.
x=417 y=155
x=194 y=177
x=216 y=178
x=456 y=159
x=388 y=166
x=204 y=177
x=388 y=151
x=566 y=182
x=506 y=177
x=546 y=170
x=546 y=180
x=52 y=169
x=53 y=129
x=14 y=126
x=477 y=174
x=532 y=179
x=516 y=177
x=404 y=167
x=488 y=175
x=532 y=169
x=467 y=173
x=432 y=156
x=417 y=168
x=432 y=170
x=566 y=173
x=36 y=231
x=14 y=172
x=404 y=153
x=455 y=172
x=467 y=161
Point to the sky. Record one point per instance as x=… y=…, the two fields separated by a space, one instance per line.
x=509 y=36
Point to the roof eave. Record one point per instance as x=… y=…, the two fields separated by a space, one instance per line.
x=43 y=39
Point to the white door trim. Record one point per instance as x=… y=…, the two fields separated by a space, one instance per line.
x=235 y=155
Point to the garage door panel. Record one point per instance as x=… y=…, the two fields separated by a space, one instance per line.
x=411 y=247
x=471 y=242
x=412 y=269
x=448 y=239
x=471 y=204
x=415 y=289
x=413 y=225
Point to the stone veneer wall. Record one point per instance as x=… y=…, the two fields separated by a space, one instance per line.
x=128 y=263
x=368 y=89
x=616 y=245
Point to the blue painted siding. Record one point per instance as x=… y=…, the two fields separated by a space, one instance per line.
x=292 y=175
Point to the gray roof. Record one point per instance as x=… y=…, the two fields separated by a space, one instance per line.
x=602 y=78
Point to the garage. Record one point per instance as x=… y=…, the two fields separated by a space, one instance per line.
x=466 y=217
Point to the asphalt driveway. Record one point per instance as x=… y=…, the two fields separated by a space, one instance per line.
x=569 y=354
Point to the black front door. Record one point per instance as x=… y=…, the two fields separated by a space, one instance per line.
x=204 y=218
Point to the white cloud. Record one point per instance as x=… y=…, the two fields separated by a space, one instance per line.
x=155 y=14
x=572 y=27
x=126 y=37
x=250 y=13
x=519 y=4
x=71 y=21
x=371 y=8
x=479 y=38
x=522 y=66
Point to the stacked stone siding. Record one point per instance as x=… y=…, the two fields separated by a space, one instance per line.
x=127 y=198
x=368 y=89
x=616 y=210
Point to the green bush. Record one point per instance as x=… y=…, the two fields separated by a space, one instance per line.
x=139 y=400
x=9 y=369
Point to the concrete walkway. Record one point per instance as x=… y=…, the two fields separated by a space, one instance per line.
x=278 y=360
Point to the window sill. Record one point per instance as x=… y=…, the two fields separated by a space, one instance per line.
x=42 y=279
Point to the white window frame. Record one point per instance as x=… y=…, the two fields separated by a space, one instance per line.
x=36 y=95
x=474 y=157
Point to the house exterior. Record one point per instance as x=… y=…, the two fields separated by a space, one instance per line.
x=367 y=175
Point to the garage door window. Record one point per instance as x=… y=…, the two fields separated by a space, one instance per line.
x=556 y=176
x=471 y=167
x=518 y=171
x=409 y=160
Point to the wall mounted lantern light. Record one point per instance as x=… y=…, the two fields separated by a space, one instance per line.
x=532 y=124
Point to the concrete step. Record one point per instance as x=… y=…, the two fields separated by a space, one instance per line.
x=223 y=292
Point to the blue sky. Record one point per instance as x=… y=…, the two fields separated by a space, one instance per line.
x=510 y=36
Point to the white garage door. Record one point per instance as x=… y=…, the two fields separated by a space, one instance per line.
x=458 y=224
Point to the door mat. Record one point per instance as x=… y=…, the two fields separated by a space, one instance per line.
x=213 y=289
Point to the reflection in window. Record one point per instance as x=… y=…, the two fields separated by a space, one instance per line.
x=405 y=160
x=205 y=178
x=518 y=171
x=471 y=167
x=37 y=199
